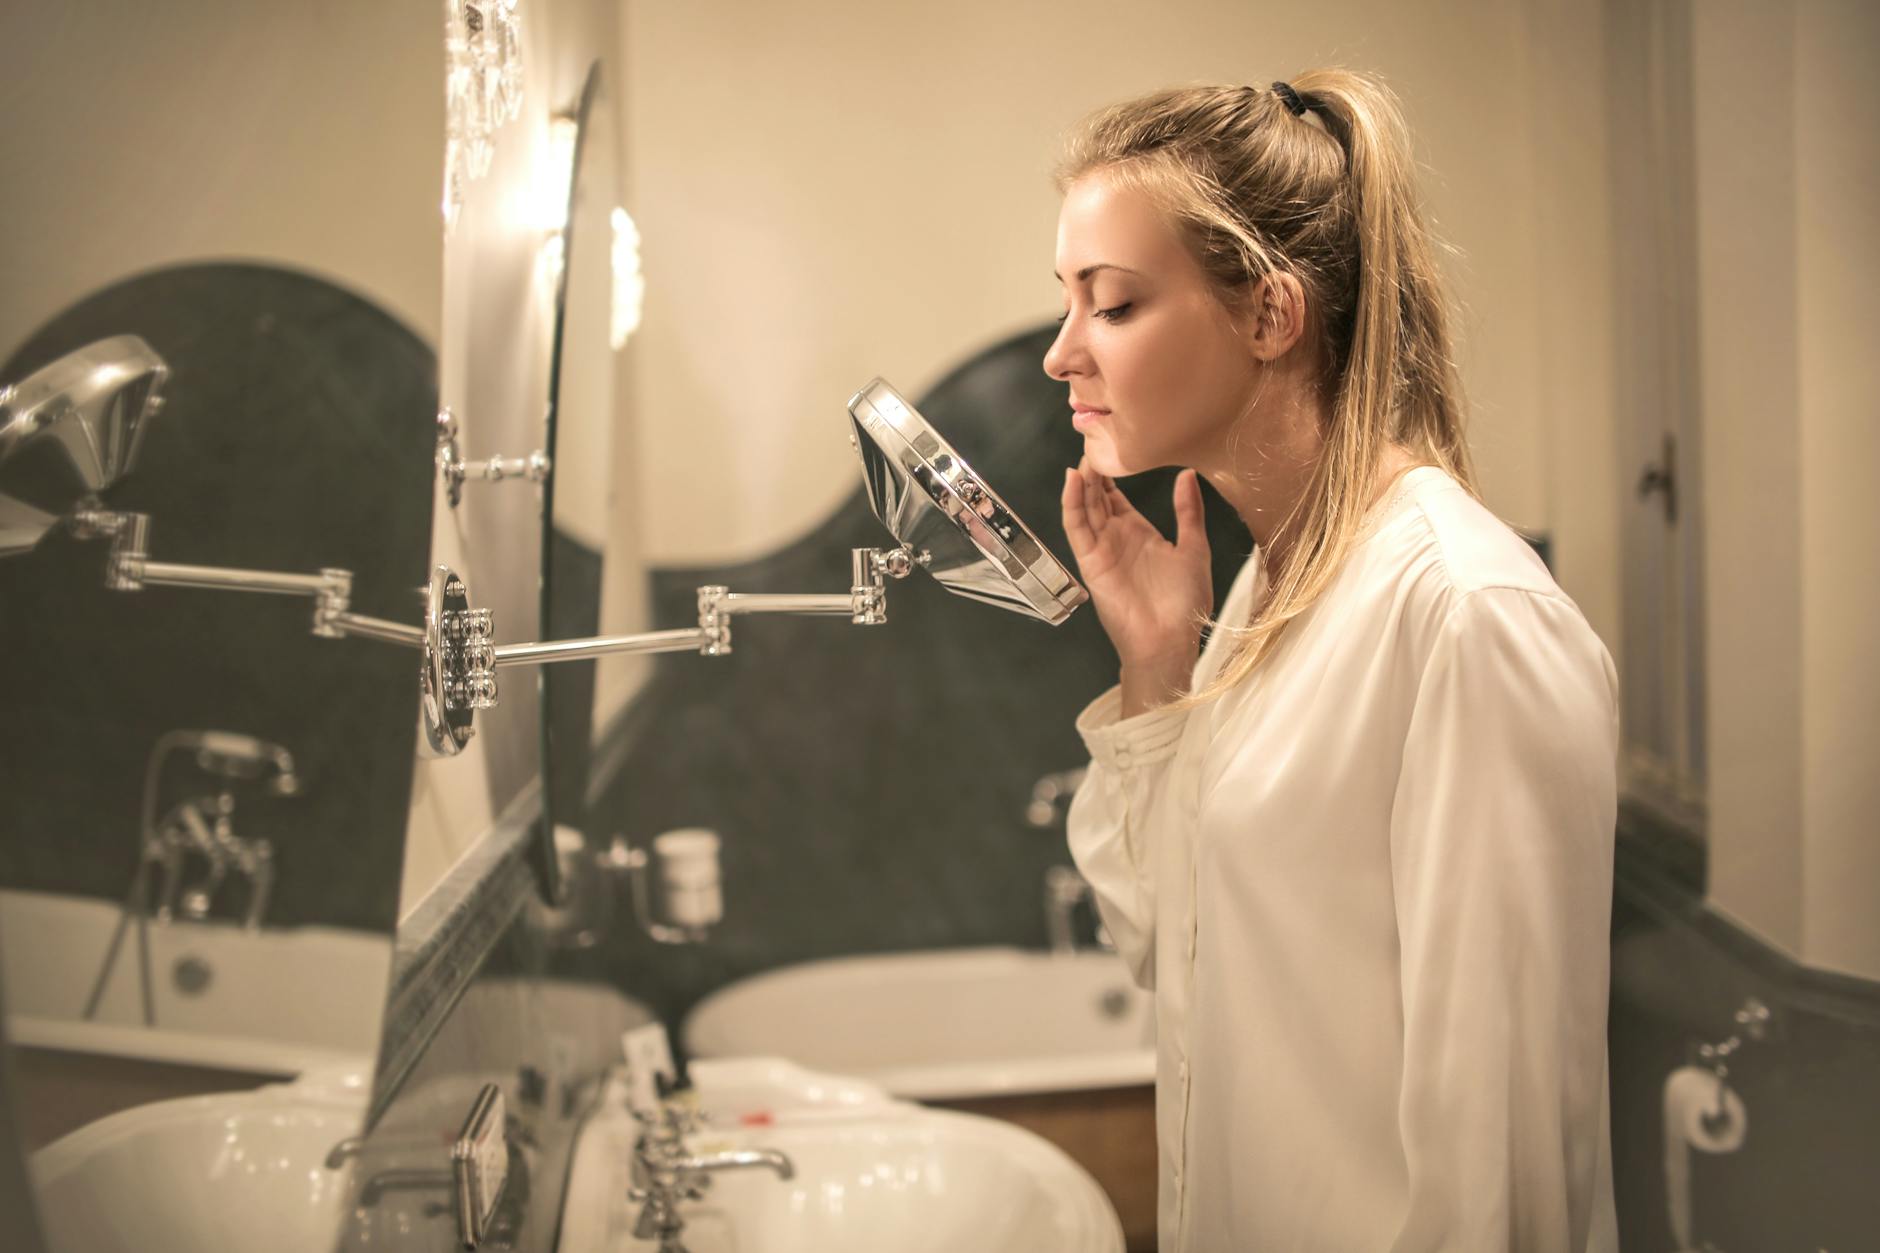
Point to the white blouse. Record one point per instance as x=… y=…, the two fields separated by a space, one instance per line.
x=1371 y=888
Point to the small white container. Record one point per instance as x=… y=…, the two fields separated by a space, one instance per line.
x=689 y=878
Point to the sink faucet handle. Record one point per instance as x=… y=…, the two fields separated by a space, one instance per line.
x=738 y=1159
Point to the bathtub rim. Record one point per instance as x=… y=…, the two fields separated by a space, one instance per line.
x=962 y=1080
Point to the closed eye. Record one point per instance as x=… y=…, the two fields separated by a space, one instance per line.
x=1108 y=315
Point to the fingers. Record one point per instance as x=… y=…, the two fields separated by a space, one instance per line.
x=1100 y=510
x=1076 y=515
x=1095 y=505
x=1191 y=532
x=1113 y=498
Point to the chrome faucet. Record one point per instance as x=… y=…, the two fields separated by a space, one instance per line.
x=203 y=828
x=1063 y=889
x=1051 y=796
x=665 y=1173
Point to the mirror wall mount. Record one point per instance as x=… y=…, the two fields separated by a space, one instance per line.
x=455 y=471
x=460 y=663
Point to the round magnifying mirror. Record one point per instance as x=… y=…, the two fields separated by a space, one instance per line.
x=957 y=526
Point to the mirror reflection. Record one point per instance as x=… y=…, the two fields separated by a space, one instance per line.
x=202 y=805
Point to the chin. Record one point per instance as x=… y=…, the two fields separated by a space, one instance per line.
x=1103 y=456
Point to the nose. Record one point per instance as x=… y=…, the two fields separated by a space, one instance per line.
x=1065 y=357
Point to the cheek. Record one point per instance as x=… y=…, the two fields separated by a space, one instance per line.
x=1170 y=379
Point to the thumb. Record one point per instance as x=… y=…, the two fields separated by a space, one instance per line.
x=1191 y=533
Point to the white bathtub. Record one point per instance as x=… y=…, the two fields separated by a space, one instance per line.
x=276 y=1002
x=945 y=1025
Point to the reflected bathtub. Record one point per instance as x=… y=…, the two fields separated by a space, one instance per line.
x=947 y=1025
x=267 y=1002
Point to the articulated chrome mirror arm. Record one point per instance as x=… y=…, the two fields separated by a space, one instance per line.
x=865 y=604
x=458 y=676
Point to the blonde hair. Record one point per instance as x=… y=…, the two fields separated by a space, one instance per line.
x=1257 y=188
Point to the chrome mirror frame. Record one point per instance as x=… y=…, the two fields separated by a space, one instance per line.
x=92 y=403
x=934 y=504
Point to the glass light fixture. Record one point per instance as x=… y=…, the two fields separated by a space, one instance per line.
x=556 y=174
x=482 y=90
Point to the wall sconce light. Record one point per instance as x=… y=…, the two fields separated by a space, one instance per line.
x=629 y=282
x=482 y=90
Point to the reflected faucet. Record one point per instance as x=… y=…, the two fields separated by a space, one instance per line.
x=201 y=828
x=1063 y=889
x=1051 y=796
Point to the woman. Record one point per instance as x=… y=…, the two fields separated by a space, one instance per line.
x=1361 y=843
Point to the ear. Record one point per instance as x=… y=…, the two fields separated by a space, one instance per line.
x=1279 y=308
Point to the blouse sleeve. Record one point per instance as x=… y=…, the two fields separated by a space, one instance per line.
x=1130 y=761
x=1501 y=860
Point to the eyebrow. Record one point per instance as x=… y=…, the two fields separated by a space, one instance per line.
x=1088 y=270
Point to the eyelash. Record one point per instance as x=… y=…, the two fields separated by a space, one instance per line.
x=1108 y=315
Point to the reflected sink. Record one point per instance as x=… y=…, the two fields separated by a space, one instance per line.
x=882 y=1175
x=229 y=1171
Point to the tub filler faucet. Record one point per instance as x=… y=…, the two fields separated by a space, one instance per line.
x=1063 y=889
x=666 y=1174
x=197 y=831
x=203 y=828
x=1051 y=796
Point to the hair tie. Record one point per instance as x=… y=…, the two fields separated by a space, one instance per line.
x=1290 y=98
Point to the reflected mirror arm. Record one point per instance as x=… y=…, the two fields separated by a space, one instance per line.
x=130 y=569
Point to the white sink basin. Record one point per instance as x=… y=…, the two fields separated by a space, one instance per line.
x=886 y=1176
x=230 y=1171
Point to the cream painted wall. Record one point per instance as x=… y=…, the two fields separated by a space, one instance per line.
x=1837 y=220
x=1788 y=210
x=1749 y=378
x=280 y=142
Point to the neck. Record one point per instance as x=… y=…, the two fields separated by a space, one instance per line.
x=1264 y=468
x=1265 y=471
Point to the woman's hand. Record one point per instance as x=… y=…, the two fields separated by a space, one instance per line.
x=1150 y=595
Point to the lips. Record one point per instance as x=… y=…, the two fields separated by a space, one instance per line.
x=1084 y=417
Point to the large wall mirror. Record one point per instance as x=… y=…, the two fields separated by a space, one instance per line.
x=203 y=806
x=577 y=505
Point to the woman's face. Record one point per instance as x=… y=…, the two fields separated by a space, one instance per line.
x=1158 y=371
